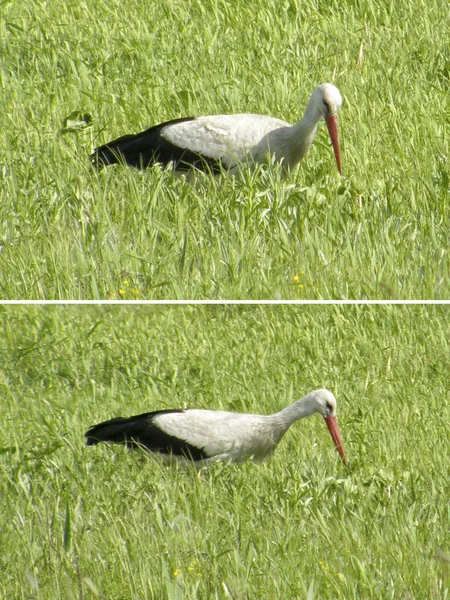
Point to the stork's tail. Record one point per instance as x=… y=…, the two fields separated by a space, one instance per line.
x=111 y=153
x=135 y=431
x=117 y=431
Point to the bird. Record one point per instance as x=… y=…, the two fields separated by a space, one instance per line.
x=225 y=142
x=205 y=436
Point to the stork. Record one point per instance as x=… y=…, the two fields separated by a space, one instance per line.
x=225 y=142
x=205 y=436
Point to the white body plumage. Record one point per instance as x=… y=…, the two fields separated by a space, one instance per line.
x=224 y=435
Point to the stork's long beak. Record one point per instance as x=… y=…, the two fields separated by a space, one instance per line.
x=333 y=428
x=332 y=124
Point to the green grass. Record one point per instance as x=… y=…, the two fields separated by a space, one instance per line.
x=380 y=232
x=80 y=522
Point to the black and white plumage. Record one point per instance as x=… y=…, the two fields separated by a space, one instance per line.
x=205 y=436
x=225 y=142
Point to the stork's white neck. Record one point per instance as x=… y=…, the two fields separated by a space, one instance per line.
x=305 y=407
x=298 y=138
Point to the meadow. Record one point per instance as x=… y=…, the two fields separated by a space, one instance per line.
x=381 y=231
x=82 y=522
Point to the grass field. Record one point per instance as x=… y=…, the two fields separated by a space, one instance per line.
x=99 y=522
x=380 y=232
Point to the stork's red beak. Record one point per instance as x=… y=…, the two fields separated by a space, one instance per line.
x=332 y=124
x=333 y=428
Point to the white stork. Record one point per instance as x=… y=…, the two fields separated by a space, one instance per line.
x=205 y=436
x=226 y=141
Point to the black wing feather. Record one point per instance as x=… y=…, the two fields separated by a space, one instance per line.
x=141 y=431
x=143 y=149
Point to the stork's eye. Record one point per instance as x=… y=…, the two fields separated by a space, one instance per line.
x=329 y=407
x=327 y=107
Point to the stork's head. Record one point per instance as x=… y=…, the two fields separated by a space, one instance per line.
x=325 y=102
x=325 y=404
x=328 y=99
